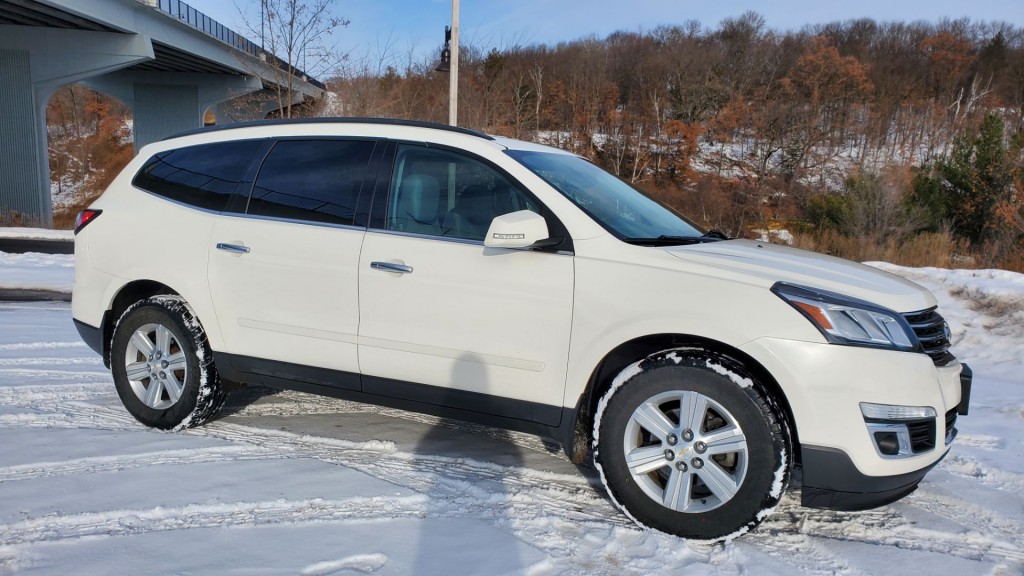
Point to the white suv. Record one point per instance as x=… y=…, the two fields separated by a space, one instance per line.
x=446 y=271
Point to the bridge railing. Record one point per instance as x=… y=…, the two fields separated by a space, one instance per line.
x=196 y=19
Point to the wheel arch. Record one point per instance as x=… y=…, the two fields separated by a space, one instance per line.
x=126 y=296
x=629 y=352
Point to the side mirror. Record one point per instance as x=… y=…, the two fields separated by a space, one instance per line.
x=520 y=229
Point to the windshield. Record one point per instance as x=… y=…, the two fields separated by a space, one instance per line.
x=618 y=207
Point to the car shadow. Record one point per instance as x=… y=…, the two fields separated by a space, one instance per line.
x=241 y=396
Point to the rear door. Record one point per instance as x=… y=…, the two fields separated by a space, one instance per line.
x=283 y=269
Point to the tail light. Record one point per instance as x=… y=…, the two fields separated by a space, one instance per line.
x=84 y=217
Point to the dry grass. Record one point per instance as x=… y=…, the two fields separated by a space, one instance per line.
x=18 y=220
x=941 y=250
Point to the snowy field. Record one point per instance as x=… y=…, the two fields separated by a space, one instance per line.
x=287 y=483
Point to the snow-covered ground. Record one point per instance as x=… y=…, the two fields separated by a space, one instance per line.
x=53 y=273
x=296 y=484
x=34 y=271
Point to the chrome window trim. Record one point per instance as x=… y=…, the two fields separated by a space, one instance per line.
x=457 y=240
x=179 y=202
x=427 y=236
x=294 y=221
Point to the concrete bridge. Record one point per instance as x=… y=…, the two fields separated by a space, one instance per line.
x=167 y=61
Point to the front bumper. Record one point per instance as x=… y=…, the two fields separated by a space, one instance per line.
x=831 y=480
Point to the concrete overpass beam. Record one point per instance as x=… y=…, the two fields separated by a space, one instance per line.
x=255 y=106
x=168 y=102
x=34 y=62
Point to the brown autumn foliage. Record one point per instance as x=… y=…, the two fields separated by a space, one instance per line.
x=739 y=126
x=90 y=143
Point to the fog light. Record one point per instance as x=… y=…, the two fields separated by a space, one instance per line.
x=888 y=443
x=891 y=439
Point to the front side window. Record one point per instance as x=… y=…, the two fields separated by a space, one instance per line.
x=618 y=207
x=204 y=176
x=312 y=180
x=441 y=193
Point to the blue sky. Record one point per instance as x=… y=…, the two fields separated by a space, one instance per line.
x=416 y=27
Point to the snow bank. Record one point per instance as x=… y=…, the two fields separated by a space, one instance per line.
x=34 y=271
x=984 y=309
x=36 y=234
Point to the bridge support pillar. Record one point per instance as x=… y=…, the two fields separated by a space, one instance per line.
x=34 y=62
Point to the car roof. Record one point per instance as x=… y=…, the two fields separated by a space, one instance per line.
x=331 y=120
x=388 y=128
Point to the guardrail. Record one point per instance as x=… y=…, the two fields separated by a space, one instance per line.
x=196 y=19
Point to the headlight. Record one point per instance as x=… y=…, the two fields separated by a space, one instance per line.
x=844 y=320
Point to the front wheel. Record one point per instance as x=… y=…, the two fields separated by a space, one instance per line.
x=163 y=366
x=690 y=444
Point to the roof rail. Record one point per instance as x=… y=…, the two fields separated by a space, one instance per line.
x=334 y=120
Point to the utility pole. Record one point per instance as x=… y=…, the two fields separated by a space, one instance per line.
x=453 y=80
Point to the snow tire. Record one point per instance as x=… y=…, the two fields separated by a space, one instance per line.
x=199 y=394
x=732 y=404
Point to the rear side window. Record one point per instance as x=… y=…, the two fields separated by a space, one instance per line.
x=312 y=180
x=204 y=176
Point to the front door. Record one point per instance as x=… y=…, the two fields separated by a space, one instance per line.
x=485 y=329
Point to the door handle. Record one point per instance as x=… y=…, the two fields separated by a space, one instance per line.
x=391 y=267
x=233 y=248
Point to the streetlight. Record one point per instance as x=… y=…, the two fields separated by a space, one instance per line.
x=445 y=65
x=450 y=63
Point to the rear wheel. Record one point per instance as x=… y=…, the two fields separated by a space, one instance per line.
x=163 y=366
x=690 y=444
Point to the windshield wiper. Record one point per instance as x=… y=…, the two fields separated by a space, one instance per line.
x=666 y=240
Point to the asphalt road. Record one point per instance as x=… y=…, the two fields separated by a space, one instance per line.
x=22 y=245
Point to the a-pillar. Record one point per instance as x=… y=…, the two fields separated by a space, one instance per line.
x=34 y=62
x=165 y=103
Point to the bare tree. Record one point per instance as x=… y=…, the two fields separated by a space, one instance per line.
x=296 y=36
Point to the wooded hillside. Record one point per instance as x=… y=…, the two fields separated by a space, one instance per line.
x=870 y=140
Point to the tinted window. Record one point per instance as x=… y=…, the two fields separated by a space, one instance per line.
x=314 y=180
x=441 y=193
x=204 y=176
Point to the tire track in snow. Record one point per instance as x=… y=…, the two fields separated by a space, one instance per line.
x=472 y=484
x=9 y=373
x=21 y=346
x=449 y=488
x=43 y=361
x=466 y=484
x=974 y=469
x=782 y=536
x=974 y=518
x=883 y=527
x=125 y=522
x=120 y=462
x=49 y=394
x=456 y=487
x=470 y=488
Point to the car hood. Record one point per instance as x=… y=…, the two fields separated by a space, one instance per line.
x=773 y=263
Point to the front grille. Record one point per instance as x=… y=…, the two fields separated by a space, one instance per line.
x=922 y=435
x=932 y=332
x=950 y=425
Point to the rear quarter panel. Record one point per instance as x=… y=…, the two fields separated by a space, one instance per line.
x=141 y=236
